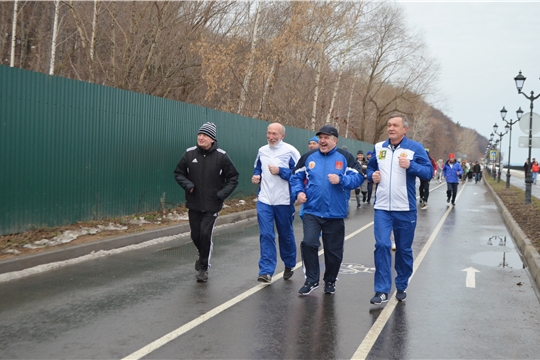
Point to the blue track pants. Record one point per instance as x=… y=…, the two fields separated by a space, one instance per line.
x=282 y=216
x=403 y=224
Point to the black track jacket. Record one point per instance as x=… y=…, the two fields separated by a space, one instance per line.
x=210 y=173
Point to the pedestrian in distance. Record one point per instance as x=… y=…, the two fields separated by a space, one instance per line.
x=363 y=188
x=332 y=173
x=208 y=177
x=452 y=171
x=477 y=170
x=369 y=181
x=526 y=166
x=534 y=168
x=313 y=143
x=424 y=185
x=394 y=167
x=274 y=164
x=439 y=170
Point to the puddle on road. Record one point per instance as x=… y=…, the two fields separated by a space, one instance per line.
x=510 y=260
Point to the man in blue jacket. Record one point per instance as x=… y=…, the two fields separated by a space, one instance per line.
x=331 y=174
x=452 y=170
x=394 y=166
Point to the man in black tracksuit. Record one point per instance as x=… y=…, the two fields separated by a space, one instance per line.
x=208 y=176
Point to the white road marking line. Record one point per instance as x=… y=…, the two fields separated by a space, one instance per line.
x=373 y=333
x=210 y=314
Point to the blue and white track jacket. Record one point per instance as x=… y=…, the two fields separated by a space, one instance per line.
x=397 y=189
x=275 y=189
x=325 y=199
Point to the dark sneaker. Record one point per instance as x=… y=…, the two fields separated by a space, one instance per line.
x=401 y=295
x=379 y=298
x=358 y=206
x=308 y=288
x=202 y=276
x=453 y=203
x=288 y=273
x=447 y=200
x=198 y=264
x=330 y=287
x=425 y=205
x=265 y=278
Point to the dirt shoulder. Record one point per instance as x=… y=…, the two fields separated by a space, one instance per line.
x=45 y=239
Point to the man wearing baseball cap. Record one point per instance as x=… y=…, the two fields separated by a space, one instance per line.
x=208 y=176
x=331 y=174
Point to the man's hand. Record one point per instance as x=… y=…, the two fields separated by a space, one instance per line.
x=404 y=162
x=301 y=198
x=274 y=170
x=255 y=179
x=376 y=177
x=334 y=179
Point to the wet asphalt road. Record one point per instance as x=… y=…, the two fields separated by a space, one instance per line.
x=114 y=307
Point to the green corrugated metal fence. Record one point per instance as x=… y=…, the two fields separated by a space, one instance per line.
x=73 y=151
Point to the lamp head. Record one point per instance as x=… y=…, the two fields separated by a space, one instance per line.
x=507 y=128
x=503 y=113
x=519 y=113
x=520 y=80
x=495 y=127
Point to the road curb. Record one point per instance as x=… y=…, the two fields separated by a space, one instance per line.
x=527 y=249
x=69 y=252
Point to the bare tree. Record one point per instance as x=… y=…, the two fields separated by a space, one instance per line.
x=13 y=33
x=249 y=72
x=395 y=71
x=54 y=36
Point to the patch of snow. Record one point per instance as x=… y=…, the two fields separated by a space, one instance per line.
x=139 y=221
x=175 y=217
x=70 y=235
x=12 y=251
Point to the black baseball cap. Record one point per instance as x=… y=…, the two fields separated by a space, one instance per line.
x=328 y=130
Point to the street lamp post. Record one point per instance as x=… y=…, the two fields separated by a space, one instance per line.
x=494 y=146
x=509 y=123
x=520 y=81
x=490 y=160
x=501 y=134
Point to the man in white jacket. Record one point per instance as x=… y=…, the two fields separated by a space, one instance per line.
x=273 y=168
x=394 y=167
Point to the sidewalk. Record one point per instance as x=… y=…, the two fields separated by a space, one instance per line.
x=527 y=249
x=517 y=179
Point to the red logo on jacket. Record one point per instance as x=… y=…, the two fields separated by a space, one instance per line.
x=339 y=165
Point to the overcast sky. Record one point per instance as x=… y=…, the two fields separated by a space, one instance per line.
x=481 y=47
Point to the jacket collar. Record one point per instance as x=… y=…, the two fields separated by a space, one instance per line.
x=403 y=144
x=212 y=148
